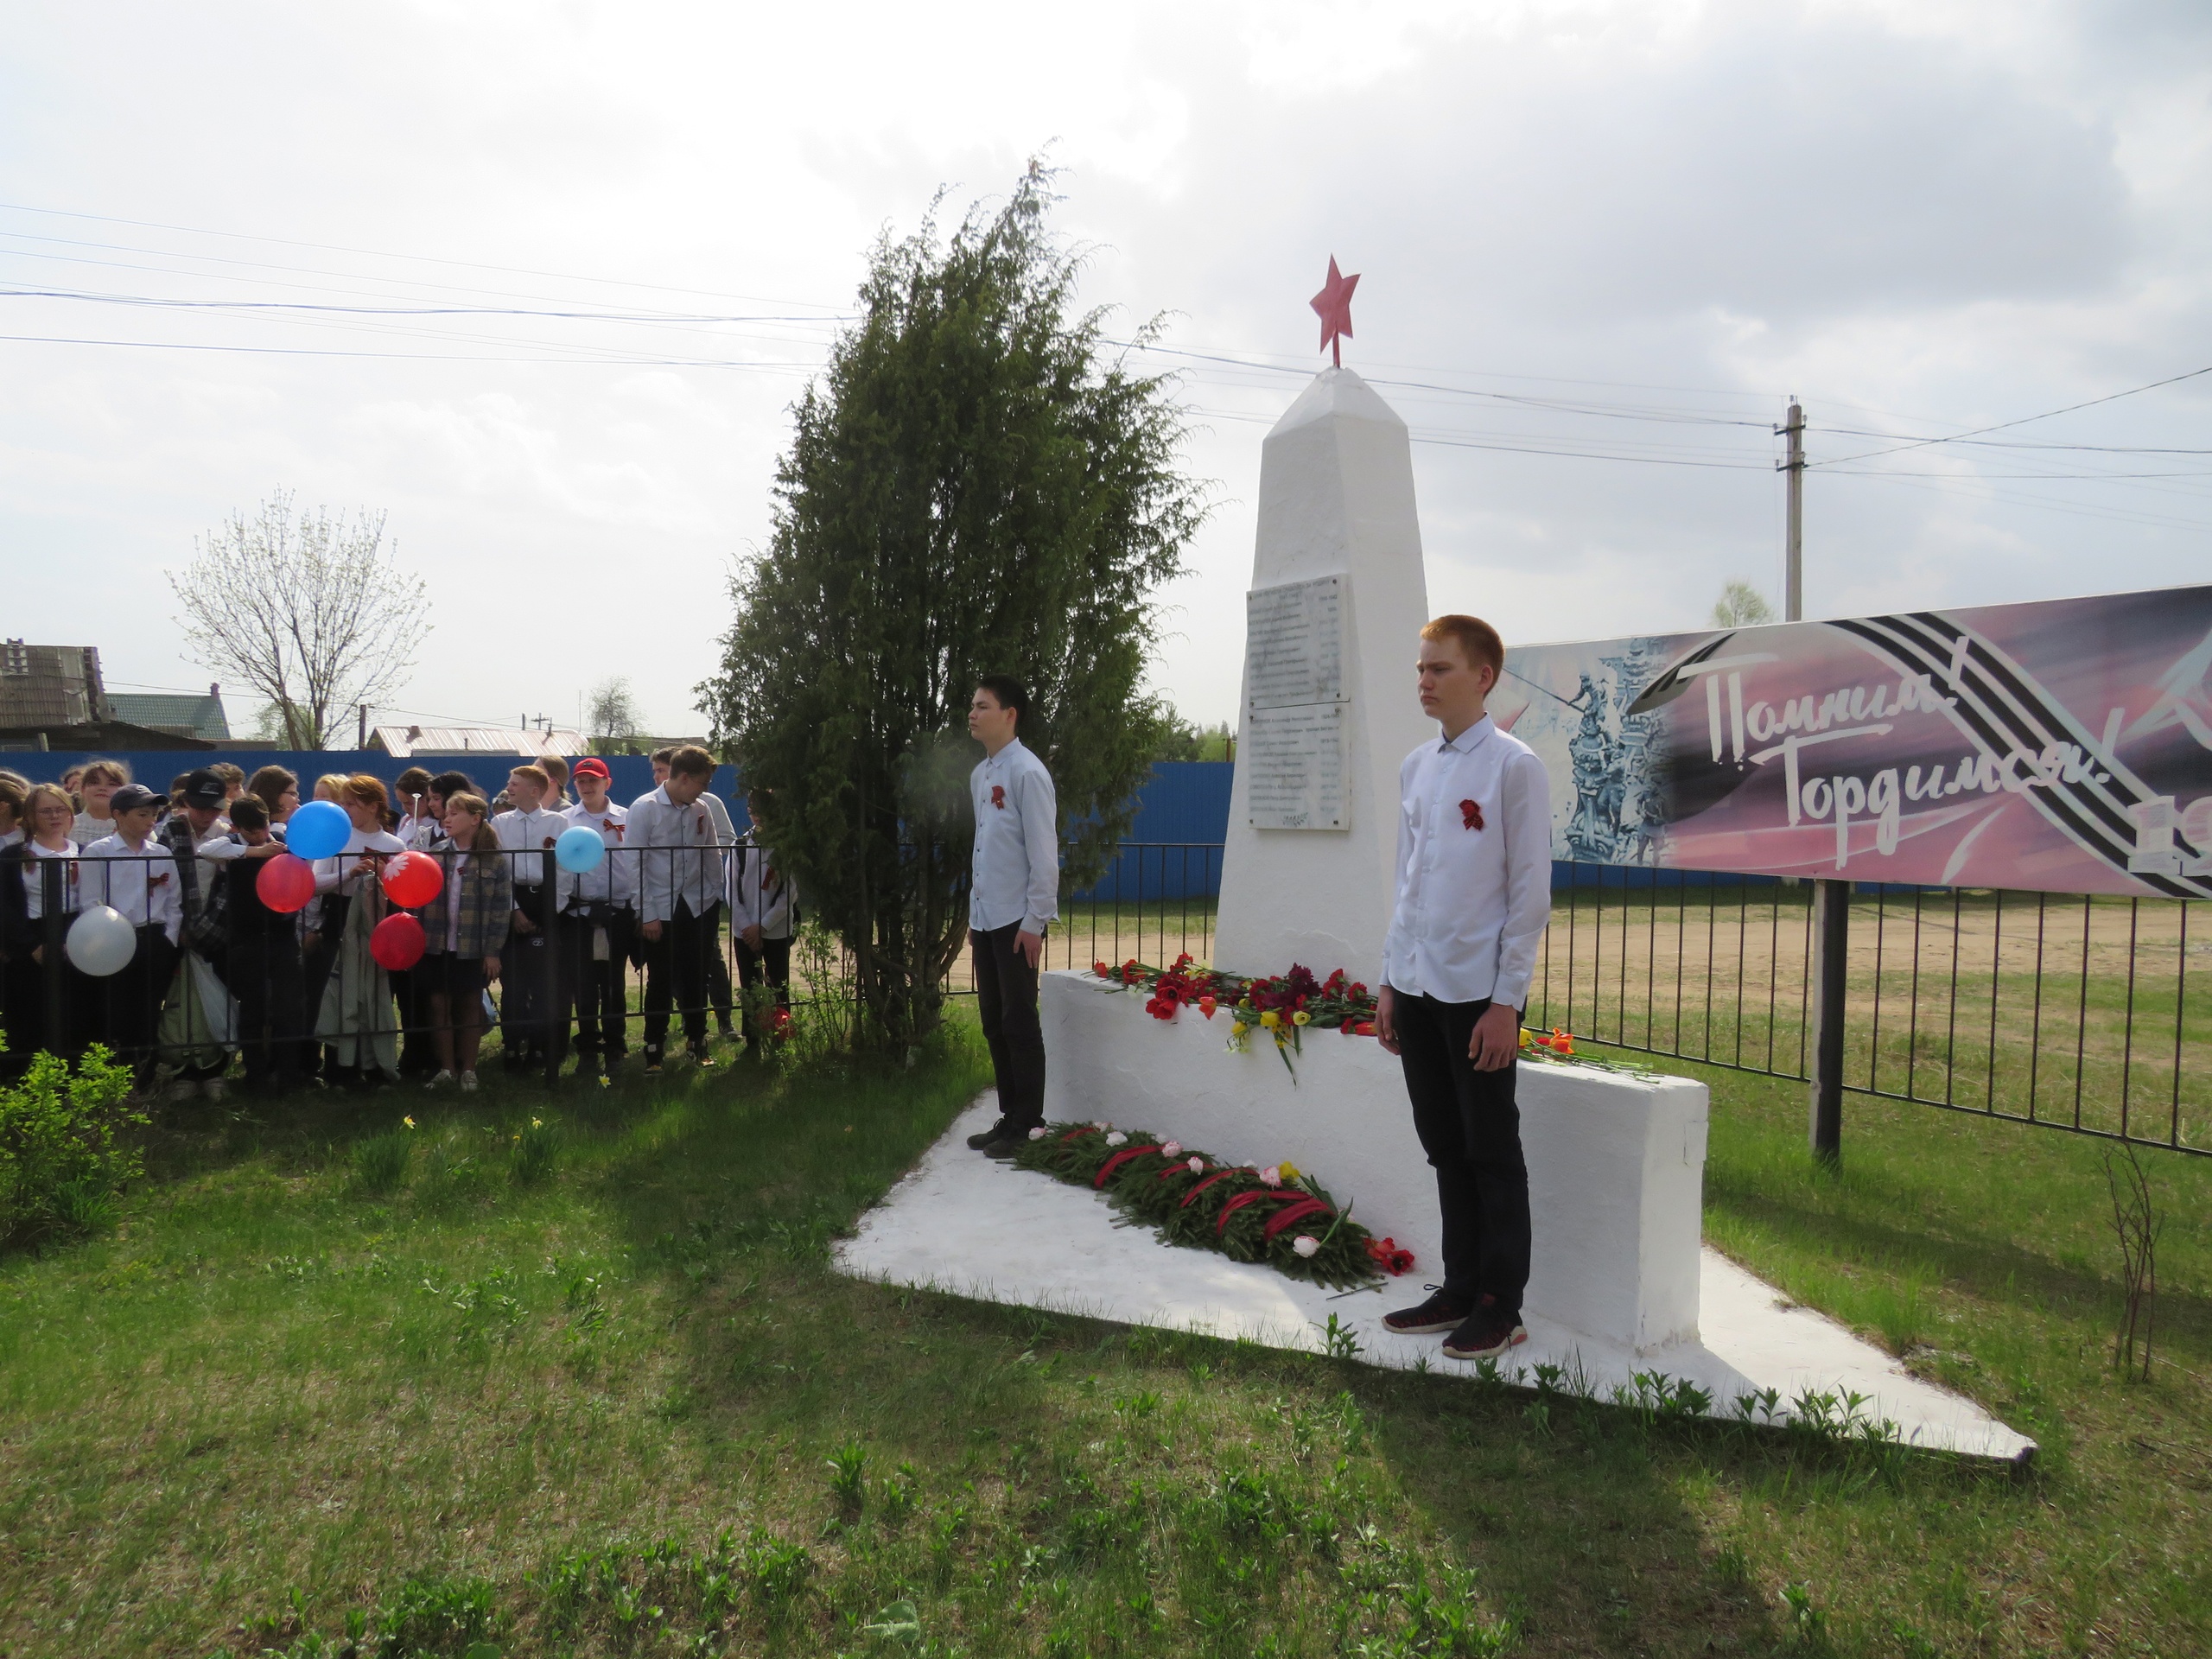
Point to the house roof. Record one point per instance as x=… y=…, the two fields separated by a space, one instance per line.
x=475 y=739
x=50 y=685
x=184 y=716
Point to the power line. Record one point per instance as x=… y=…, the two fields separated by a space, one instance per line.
x=2024 y=420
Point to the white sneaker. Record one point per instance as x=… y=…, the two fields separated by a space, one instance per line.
x=468 y=1083
x=213 y=1089
x=442 y=1080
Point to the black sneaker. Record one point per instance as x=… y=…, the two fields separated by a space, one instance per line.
x=977 y=1142
x=1010 y=1139
x=1486 y=1334
x=1438 y=1312
x=652 y=1063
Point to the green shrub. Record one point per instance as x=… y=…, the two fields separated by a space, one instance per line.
x=68 y=1143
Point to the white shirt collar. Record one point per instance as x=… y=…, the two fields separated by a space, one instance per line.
x=1469 y=740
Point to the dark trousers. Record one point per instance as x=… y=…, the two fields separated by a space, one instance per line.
x=1470 y=1129
x=527 y=994
x=718 y=987
x=1006 y=997
x=676 y=967
x=596 y=989
x=266 y=978
x=23 y=1013
x=131 y=1001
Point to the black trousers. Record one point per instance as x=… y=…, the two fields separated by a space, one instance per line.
x=1470 y=1129
x=131 y=1001
x=528 y=1001
x=596 y=990
x=1005 y=996
x=772 y=961
x=676 y=970
x=266 y=978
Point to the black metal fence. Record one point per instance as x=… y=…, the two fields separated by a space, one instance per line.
x=2088 y=1013
x=2071 y=1011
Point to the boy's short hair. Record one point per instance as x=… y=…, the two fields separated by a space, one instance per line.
x=1478 y=642
x=661 y=756
x=450 y=783
x=414 y=781
x=534 y=774
x=691 y=761
x=103 y=771
x=1008 y=691
x=247 y=813
x=233 y=776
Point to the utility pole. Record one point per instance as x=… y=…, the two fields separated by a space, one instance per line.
x=1793 y=580
x=1831 y=943
x=361 y=739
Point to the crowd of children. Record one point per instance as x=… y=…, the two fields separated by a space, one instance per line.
x=220 y=977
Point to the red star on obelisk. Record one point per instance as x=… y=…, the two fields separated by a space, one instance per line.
x=1333 y=302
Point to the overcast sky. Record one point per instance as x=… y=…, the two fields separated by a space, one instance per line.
x=1598 y=243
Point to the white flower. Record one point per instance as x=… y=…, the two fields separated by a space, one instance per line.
x=1271 y=1176
x=1117 y=1139
x=1198 y=1166
x=1037 y=1133
x=1100 y=1123
x=1170 y=1150
x=1306 y=1244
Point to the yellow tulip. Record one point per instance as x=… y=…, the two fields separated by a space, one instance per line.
x=1302 y=1017
x=1271 y=1019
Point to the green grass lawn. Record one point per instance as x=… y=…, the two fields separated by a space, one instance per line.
x=594 y=1389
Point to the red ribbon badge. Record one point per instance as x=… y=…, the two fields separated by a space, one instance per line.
x=998 y=796
x=1470 y=814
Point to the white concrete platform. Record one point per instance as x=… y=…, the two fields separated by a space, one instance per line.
x=962 y=1223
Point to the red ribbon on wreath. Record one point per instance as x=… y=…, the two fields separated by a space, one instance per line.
x=1221 y=1223
x=1219 y=1175
x=1088 y=1128
x=1296 y=1213
x=1107 y=1169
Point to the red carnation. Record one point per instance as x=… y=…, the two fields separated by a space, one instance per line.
x=1471 y=814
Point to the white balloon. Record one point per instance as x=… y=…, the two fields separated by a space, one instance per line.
x=101 y=943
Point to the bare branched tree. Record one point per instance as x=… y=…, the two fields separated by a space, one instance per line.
x=310 y=611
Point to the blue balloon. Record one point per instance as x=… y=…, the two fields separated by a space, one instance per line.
x=579 y=849
x=319 y=829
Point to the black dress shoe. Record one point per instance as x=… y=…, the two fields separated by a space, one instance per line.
x=977 y=1142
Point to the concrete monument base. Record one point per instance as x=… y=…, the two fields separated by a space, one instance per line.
x=963 y=1225
x=1616 y=1163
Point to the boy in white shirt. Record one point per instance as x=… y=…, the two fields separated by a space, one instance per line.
x=598 y=917
x=529 y=998
x=683 y=836
x=1473 y=896
x=136 y=875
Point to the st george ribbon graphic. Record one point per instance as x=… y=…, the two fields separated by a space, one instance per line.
x=2061 y=746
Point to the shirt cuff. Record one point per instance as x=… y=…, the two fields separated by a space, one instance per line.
x=1032 y=924
x=1511 y=993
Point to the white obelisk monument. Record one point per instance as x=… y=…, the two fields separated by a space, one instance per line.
x=1332 y=625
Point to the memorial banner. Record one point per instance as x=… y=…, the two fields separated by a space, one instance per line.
x=2062 y=747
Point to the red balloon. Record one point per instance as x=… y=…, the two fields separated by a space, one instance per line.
x=285 y=883
x=412 y=879
x=396 y=943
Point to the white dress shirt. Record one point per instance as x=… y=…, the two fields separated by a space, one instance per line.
x=615 y=881
x=764 y=895
x=337 y=875
x=1017 y=868
x=1472 y=901
x=34 y=879
x=527 y=839
x=683 y=853
x=140 y=881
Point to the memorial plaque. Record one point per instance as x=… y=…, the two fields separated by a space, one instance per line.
x=1295 y=708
